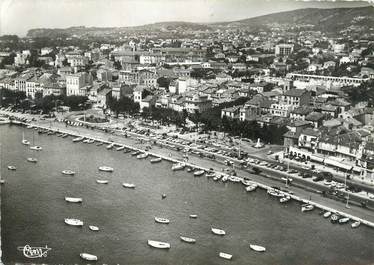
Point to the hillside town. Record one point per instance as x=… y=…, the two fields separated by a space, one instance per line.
x=314 y=90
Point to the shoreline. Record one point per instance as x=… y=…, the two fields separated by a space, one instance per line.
x=195 y=166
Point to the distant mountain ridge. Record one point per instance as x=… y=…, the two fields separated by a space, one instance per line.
x=328 y=20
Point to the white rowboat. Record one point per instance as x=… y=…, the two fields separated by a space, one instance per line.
x=93 y=228
x=72 y=199
x=106 y=169
x=102 y=181
x=129 y=185
x=87 y=256
x=257 y=248
x=219 y=232
x=188 y=239
x=158 y=244
x=225 y=255
x=73 y=222
x=162 y=220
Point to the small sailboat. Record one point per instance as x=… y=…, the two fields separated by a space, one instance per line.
x=178 y=166
x=102 y=181
x=217 y=231
x=24 y=141
x=32 y=160
x=162 y=220
x=257 y=248
x=307 y=207
x=68 y=172
x=356 y=224
x=188 y=239
x=156 y=160
x=73 y=222
x=93 y=228
x=198 y=173
x=158 y=244
x=128 y=185
x=106 y=169
x=193 y=216
x=73 y=199
x=225 y=255
x=88 y=257
x=12 y=168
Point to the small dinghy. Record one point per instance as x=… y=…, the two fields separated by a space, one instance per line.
x=188 y=239
x=106 y=169
x=142 y=156
x=158 y=244
x=162 y=220
x=356 y=224
x=344 y=220
x=88 y=257
x=251 y=187
x=99 y=144
x=93 y=228
x=72 y=199
x=178 y=166
x=32 y=160
x=198 y=173
x=68 y=172
x=120 y=148
x=257 y=248
x=102 y=181
x=110 y=146
x=225 y=255
x=193 y=216
x=307 y=207
x=135 y=153
x=36 y=148
x=219 y=232
x=156 y=160
x=73 y=222
x=284 y=199
x=210 y=175
x=78 y=139
x=12 y=168
x=163 y=196
x=327 y=214
x=129 y=185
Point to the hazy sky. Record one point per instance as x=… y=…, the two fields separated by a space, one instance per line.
x=18 y=16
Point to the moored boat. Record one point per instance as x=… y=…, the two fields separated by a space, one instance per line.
x=162 y=220
x=36 y=148
x=194 y=216
x=32 y=160
x=102 y=181
x=73 y=199
x=251 y=187
x=334 y=218
x=219 y=232
x=327 y=214
x=275 y=192
x=178 y=166
x=356 y=224
x=64 y=135
x=12 y=168
x=99 y=144
x=88 y=257
x=225 y=255
x=142 y=156
x=224 y=179
x=198 y=173
x=135 y=153
x=344 y=220
x=156 y=160
x=188 y=239
x=68 y=172
x=73 y=222
x=257 y=248
x=158 y=244
x=110 y=146
x=307 y=207
x=210 y=175
x=234 y=179
x=93 y=228
x=284 y=199
x=128 y=185
x=91 y=141
x=106 y=169
x=120 y=148
x=86 y=141
x=78 y=139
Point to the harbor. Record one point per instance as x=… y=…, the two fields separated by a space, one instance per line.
x=154 y=180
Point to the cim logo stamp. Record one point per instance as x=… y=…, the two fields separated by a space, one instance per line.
x=34 y=252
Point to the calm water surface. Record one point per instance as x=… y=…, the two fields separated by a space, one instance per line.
x=33 y=212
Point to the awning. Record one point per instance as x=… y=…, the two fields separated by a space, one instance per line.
x=358 y=169
x=317 y=158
